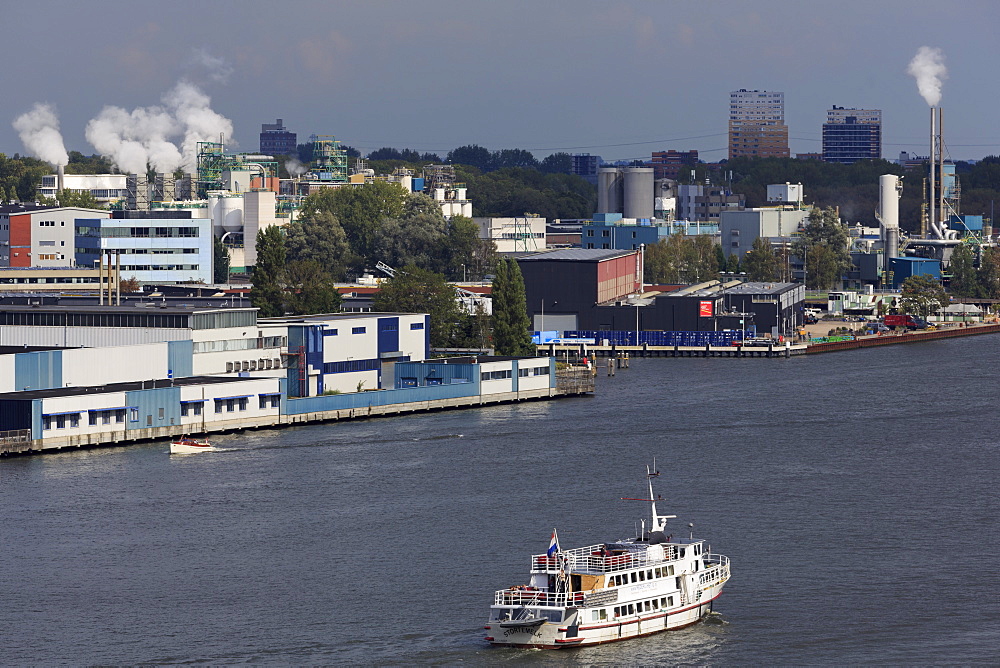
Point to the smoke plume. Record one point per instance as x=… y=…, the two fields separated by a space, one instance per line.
x=39 y=130
x=927 y=67
x=147 y=135
x=295 y=167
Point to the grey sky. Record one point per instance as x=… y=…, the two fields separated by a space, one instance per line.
x=618 y=79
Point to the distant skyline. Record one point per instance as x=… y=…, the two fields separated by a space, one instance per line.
x=615 y=79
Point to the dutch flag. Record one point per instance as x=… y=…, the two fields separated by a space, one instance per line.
x=553 y=544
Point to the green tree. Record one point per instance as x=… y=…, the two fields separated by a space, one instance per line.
x=311 y=289
x=824 y=246
x=269 y=273
x=733 y=264
x=557 y=163
x=511 y=327
x=989 y=273
x=472 y=155
x=220 y=262
x=922 y=295
x=664 y=260
x=79 y=198
x=416 y=290
x=964 y=281
x=468 y=256
x=760 y=263
x=417 y=237
x=319 y=237
x=361 y=211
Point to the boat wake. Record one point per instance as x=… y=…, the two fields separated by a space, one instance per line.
x=439 y=438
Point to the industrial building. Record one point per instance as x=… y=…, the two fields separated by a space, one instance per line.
x=42 y=237
x=105 y=188
x=628 y=191
x=608 y=230
x=56 y=280
x=850 y=135
x=275 y=139
x=585 y=165
x=511 y=235
x=563 y=287
x=153 y=246
x=705 y=202
x=757 y=124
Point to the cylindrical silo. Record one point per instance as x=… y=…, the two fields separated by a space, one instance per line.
x=889 y=192
x=609 y=190
x=232 y=213
x=638 y=191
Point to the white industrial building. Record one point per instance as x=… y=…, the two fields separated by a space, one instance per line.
x=43 y=237
x=739 y=229
x=513 y=234
x=105 y=188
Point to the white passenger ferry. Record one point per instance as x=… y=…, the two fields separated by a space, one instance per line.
x=610 y=591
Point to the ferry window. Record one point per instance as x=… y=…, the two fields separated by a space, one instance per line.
x=656 y=604
x=682 y=553
x=631 y=609
x=649 y=606
x=595 y=616
x=642 y=576
x=670 y=601
x=649 y=574
x=617 y=611
x=604 y=613
x=670 y=570
x=677 y=583
x=634 y=578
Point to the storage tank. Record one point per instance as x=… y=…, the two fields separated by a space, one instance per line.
x=890 y=189
x=609 y=190
x=638 y=193
x=232 y=213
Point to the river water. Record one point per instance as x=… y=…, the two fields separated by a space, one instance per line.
x=855 y=494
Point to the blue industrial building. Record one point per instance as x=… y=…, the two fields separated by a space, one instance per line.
x=611 y=231
x=901 y=268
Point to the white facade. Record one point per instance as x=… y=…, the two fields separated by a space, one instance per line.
x=790 y=193
x=103 y=187
x=756 y=107
x=839 y=115
x=513 y=234
x=739 y=229
x=453 y=201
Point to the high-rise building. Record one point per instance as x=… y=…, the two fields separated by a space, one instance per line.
x=275 y=139
x=670 y=164
x=850 y=135
x=757 y=124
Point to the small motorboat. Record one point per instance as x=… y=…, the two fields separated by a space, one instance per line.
x=186 y=445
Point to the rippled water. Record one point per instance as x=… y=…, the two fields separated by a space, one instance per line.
x=854 y=492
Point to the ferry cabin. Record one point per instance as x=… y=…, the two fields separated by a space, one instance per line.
x=608 y=592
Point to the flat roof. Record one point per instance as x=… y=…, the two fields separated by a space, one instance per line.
x=120 y=387
x=143 y=307
x=577 y=255
x=13 y=350
x=751 y=288
x=325 y=317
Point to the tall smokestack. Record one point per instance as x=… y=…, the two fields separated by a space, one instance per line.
x=932 y=200
x=60 y=178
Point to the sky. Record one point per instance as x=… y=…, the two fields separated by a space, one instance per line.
x=615 y=79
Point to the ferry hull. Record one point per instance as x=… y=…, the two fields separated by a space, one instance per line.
x=559 y=636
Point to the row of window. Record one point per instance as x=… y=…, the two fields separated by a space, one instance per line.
x=227 y=345
x=537 y=371
x=51 y=256
x=652 y=605
x=51 y=223
x=159 y=267
x=496 y=375
x=352 y=365
x=640 y=576
x=262 y=364
x=137 y=232
x=52 y=279
x=188 y=408
x=42 y=319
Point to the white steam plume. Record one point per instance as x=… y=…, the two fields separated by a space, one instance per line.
x=295 y=167
x=145 y=135
x=39 y=130
x=927 y=67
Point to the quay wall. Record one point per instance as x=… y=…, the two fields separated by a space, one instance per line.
x=304 y=411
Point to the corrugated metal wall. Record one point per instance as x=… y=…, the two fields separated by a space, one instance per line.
x=159 y=407
x=15 y=414
x=339 y=402
x=180 y=355
x=38 y=371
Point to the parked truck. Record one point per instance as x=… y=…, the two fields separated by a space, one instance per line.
x=907 y=321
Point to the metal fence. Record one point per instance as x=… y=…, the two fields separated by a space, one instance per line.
x=623 y=338
x=15 y=441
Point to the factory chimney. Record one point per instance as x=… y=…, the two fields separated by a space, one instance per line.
x=60 y=179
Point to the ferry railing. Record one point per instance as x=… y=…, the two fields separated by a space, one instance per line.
x=537 y=597
x=598 y=559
